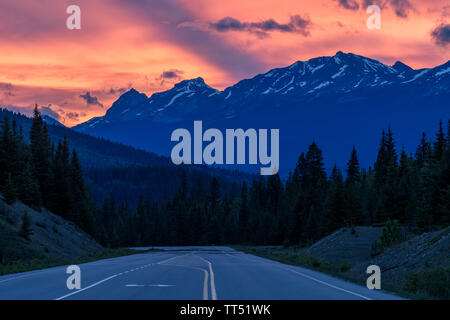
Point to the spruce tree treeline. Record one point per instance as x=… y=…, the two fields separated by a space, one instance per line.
x=412 y=189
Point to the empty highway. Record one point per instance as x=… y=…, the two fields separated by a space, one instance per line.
x=185 y=273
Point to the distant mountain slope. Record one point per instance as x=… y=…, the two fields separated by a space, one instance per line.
x=93 y=152
x=126 y=172
x=339 y=101
x=50 y=120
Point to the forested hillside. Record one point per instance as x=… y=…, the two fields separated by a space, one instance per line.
x=43 y=174
x=412 y=189
x=92 y=151
x=123 y=171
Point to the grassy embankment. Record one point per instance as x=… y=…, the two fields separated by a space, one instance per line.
x=423 y=284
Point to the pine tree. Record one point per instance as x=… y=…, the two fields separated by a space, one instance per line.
x=25 y=229
x=406 y=190
x=299 y=175
x=214 y=193
x=382 y=159
x=423 y=151
x=6 y=151
x=315 y=176
x=274 y=192
x=353 y=173
x=10 y=190
x=244 y=215
x=40 y=150
x=335 y=215
x=80 y=210
x=61 y=202
x=439 y=144
x=29 y=187
x=390 y=148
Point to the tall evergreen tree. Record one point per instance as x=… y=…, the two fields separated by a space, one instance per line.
x=61 y=174
x=25 y=230
x=440 y=143
x=80 y=209
x=335 y=208
x=10 y=190
x=423 y=151
x=353 y=172
x=244 y=227
x=40 y=150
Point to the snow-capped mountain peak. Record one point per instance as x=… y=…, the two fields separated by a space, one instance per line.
x=191 y=84
x=342 y=77
x=400 y=66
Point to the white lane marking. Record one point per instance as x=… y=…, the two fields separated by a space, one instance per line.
x=326 y=283
x=24 y=276
x=205 y=273
x=311 y=278
x=32 y=273
x=170 y=259
x=205 y=285
x=88 y=287
x=150 y=285
x=213 y=284
x=96 y=284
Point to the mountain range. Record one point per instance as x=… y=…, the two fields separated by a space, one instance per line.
x=338 y=101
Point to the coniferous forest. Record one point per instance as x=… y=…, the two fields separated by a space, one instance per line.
x=413 y=189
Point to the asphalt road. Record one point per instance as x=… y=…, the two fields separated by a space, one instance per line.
x=193 y=273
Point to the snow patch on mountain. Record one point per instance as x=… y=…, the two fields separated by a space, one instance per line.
x=317 y=68
x=340 y=72
x=323 y=84
x=177 y=96
x=439 y=73
x=417 y=76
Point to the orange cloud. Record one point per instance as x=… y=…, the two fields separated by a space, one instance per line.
x=151 y=44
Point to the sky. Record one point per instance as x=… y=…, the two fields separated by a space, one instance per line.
x=150 y=45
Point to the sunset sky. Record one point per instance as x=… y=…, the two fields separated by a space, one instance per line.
x=152 y=44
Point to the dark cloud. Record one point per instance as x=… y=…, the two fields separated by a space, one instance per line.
x=117 y=91
x=348 y=4
x=171 y=74
x=401 y=7
x=73 y=116
x=91 y=99
x=446 y=11
x=19 y=109
x=297 y=24
x=6 y=86
x=6 y=89
x=441 y=35
x=47 y=110
x=366 y=3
